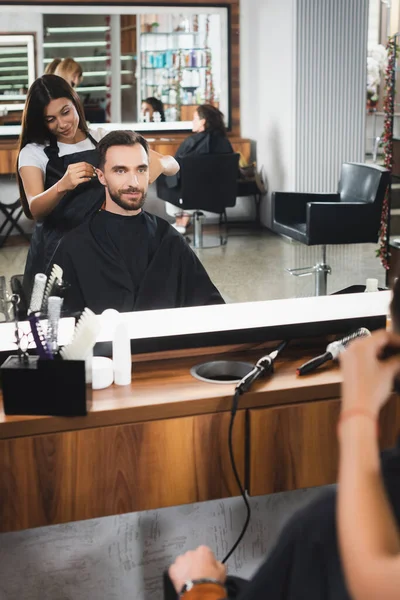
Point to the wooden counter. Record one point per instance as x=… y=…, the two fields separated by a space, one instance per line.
x=163 y=441
x=163 y=144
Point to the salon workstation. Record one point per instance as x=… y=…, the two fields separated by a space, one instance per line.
x=192 y=211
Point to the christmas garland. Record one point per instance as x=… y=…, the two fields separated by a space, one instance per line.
x=387 y=143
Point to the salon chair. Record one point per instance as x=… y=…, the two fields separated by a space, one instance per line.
x=208 y=182
x=351 y=216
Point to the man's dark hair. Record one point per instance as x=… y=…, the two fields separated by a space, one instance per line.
x=119 y=138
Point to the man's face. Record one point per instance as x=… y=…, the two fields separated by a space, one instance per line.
x=126 y=176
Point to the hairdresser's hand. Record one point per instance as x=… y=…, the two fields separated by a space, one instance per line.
x=367 y=380
x=161 y=164
x=196 y=564
x=76 y=174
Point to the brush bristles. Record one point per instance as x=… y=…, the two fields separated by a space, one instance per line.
x=85 y=335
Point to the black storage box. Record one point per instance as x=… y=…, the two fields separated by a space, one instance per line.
x=45 y=387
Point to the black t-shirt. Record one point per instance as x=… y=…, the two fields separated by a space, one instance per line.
x=129 y=240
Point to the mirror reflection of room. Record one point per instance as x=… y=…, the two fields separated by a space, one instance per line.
x=164 y=67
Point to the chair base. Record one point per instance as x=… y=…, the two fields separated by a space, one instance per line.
x=202 y=240
x=320 y=271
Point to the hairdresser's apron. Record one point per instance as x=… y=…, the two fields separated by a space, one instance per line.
x=74 y=208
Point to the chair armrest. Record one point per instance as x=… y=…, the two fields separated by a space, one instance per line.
x=291 y=206
x=341 y=222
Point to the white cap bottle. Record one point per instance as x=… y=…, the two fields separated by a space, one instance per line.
x=122 y=355
x=371 y=285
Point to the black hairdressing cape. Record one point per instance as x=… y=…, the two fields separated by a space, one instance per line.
x=305 y=563
x=131 y=263
x=204 y=142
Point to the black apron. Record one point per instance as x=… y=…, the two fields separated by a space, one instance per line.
x=74 y=208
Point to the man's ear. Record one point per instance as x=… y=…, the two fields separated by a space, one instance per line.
x=100 y=176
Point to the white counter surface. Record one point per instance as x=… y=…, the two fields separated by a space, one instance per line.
x=229 y=317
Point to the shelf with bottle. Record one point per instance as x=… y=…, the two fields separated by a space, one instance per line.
x=175 y=33
x=175 y=59
x=172 y=68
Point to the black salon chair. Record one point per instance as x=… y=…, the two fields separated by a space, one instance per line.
x=352 y=216
x=12 y=214
x=208 y=182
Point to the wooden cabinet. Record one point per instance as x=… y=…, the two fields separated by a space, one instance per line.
x=128 y=34
x=296 y=446
x=8 y=156
x=88 y=473
x=293 y=446
x=171 y=145
x=9 y=150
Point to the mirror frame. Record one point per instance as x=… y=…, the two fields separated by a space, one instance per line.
x=20 y=38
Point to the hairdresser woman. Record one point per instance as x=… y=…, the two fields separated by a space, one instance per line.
x=56 y=168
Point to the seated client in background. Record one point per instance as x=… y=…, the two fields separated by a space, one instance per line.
x=153 y=105
x=209 y=137
x=125 y=258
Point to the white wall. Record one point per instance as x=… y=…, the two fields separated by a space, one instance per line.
x=267 y=85
x=300 y=111
x=373 y=22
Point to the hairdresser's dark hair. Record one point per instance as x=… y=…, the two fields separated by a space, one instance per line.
x=213 y=117
x=156 y=105
x=34 y=129
x=119 y=138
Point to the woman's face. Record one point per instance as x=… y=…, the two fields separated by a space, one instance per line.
x=198 y=124
x=62 y=119
x=147 y=108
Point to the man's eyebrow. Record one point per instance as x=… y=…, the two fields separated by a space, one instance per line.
x=117 y=167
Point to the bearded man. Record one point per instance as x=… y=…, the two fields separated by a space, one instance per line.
x=125 y=258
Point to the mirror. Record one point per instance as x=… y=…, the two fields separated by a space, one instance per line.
x=17 y=72
x=128 y=54
x=251 y=266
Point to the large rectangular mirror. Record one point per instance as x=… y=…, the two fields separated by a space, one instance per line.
x=183 y=56
x=128 y=54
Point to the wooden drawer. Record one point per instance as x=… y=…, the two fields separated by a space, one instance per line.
x=296 y=446
x=62 y=477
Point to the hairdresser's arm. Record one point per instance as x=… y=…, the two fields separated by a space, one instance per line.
x=160 y=164
x=368 y=533
x=41 y=201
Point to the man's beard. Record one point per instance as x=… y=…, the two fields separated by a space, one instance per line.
x=126 y=203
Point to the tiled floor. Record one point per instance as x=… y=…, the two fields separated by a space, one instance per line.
x=252 y=266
